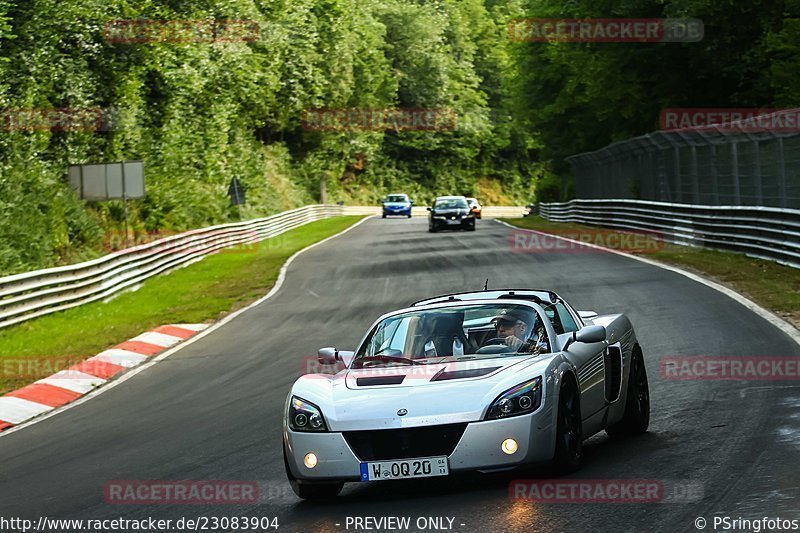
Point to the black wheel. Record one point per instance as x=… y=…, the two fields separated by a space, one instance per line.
x=384 y=215
x=311 y=490
x=637 y=401
x=569 y=429
x=471 y=228
x=409 y=215
x=432 y=229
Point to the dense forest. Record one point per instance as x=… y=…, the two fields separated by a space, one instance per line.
x=201 y=111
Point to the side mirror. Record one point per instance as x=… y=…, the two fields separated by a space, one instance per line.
x=587 y=315
x=411 y=201
x=331 y=356
x=591 y=334
x=588 y=334
x=328 y=356
x=428 y=208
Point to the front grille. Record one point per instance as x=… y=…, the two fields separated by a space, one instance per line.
x=405 y=443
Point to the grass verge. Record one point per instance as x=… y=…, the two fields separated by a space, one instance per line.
x=201 y=292
x=773 y=286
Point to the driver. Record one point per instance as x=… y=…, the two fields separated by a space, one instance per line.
x=511 y=327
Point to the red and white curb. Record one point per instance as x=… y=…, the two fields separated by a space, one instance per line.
x=70 y=384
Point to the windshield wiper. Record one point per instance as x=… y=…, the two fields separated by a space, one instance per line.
x=388 y=359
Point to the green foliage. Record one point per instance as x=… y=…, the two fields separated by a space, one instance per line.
x=200 y=113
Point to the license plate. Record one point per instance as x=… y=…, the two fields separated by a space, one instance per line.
x=454 y=222
x=404 y=469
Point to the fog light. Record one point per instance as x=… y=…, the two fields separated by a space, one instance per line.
x=509 y=446
x=310 y=460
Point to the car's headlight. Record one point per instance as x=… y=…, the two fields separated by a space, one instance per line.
x=523 y=399
x=305 y=416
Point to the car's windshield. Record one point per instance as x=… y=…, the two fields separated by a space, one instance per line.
x=451 y=203
x=397 y=198
x=465 y=332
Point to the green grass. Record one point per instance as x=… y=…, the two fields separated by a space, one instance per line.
x=773 y=286
x=202 y=292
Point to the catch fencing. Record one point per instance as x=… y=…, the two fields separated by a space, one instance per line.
x=729 y=164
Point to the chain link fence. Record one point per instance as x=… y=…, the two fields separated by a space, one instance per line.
x=729 y=164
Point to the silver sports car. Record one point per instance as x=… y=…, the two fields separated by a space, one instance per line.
x=485 y=381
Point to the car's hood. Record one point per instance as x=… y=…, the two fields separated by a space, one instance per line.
x=431 y=394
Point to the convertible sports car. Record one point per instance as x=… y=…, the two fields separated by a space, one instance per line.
x=488 y=380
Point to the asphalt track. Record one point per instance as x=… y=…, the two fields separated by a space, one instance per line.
x=213 y=410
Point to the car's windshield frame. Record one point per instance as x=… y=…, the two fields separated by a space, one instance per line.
x=396 y=198
x=550 y=335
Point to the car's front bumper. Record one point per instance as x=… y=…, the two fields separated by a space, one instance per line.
x=451 y=223
x=397 y=212
x=478 y=448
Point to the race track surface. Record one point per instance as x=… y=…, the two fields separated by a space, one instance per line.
x=213 y=410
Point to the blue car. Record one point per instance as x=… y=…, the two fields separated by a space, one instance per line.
x=397 y=205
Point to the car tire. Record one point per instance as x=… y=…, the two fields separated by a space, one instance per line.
x=471 y=227
x=636 y=419
x=310 y=490
x=409 y=215
x=432 y=229
x=568 y=455
x=384 y=215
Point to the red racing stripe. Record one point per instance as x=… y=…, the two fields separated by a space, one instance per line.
x=4 y=425
x=45 y=394
x=101 y=369
x=175 y=331
x=144 y=348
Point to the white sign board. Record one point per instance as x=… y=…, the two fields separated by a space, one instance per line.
x=108 y=181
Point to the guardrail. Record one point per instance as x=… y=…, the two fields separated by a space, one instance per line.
x=763 y=232
x=41 y=292
x=33 y=294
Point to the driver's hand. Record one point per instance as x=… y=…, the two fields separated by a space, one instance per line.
x=513 y=341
